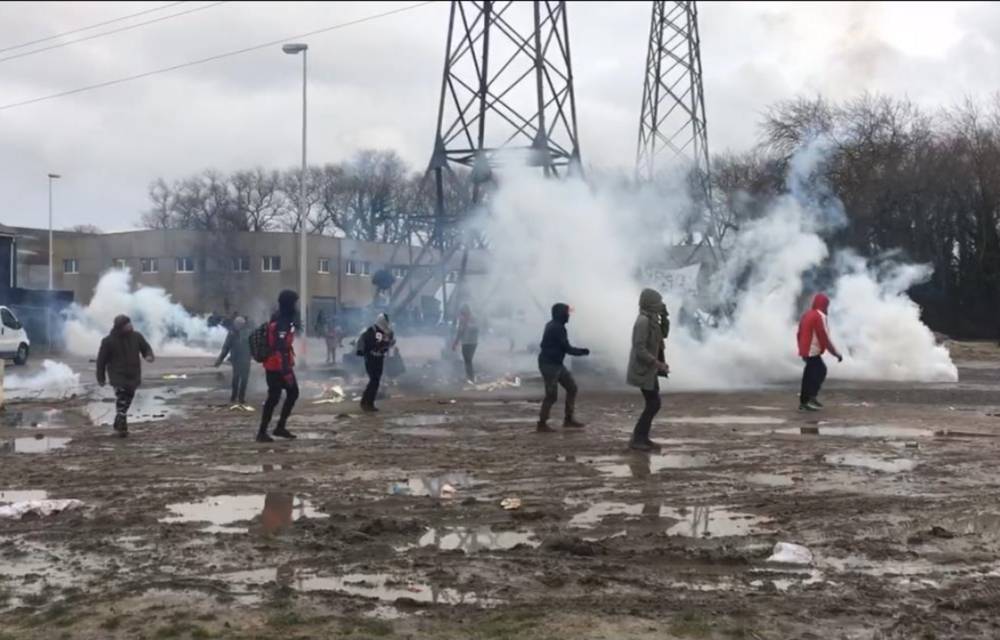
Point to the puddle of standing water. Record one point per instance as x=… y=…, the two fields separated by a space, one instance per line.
x=420 y=421
x=18 y=495
x=33 y=418
x=641 y=465
x=876 y=431
x=424 y=486
x=691 y=522
x=146 y=407
x=277 y=511
x=471 y=540
x=251 y=468
x=770 y=479
x=868 y=461
x=38 y=444
x=725 y=420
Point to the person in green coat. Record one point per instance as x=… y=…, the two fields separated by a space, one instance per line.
x=647 y=363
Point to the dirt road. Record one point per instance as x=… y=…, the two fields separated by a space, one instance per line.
x=392 y=526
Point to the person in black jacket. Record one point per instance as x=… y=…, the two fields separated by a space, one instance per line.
x=118 y=360
x=237 y=347
x=554 y=349
x=373 y=345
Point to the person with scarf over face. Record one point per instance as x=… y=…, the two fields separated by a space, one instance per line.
x=118 y=360
x=279 y=367
x=555 y=347
x=646 y=363
x=373 y=345
x=814 y=341
x=237 y=347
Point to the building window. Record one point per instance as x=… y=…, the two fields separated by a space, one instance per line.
x=185 y=265
x=71 y=266
x=271 y=264
x=118 y=263
x=366 y=268
x=241 y=264
x=150 y=265
x=452 y=276
x=324 y=265
x=399 y=272
x=352 y=268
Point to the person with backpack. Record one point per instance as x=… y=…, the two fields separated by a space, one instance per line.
x=373 y=345
x=237 y=347
x=554 y=348
x=118 y=361
x=279 y=364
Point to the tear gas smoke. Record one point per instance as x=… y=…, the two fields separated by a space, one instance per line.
x=168 y=327
x=55 y=380
x=561 y=241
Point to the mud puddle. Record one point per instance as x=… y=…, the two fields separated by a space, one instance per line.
x=422 y=420
x=34 y=418
x=641 y=465
x=471 y=540
x=725 y=420
x=871 y=462
x=147 y=407
x=886 y=432
x=690 y=522
x=432 y=486
x=770 y=479
x=277 y=511
x=38 y=444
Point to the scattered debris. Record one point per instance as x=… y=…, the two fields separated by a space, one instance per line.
x=175 y=376
x=448 y=491
x=508 y=381
x=511 y=504
x=40 y=508
x=789 y=553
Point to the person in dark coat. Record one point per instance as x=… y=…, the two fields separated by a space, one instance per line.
x=279 y=367
x=555 y=347
x=237 y=347
x=373 y=345
x=118 y=361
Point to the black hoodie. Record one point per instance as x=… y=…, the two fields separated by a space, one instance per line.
x=555 y=342
x=119 y=357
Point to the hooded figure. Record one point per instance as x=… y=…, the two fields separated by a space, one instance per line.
x=373 y=345
x=237 y=347
x=467 y=334
x=646 y=362
x=814 y=341
x=279 y=367
x=118 y=361
x=554 y=348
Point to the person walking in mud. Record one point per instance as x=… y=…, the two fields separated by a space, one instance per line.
x=279 y=367
x=554 y=348
x=814 y=341
x=647 y=363
x=237 y=347
x=118 y=362
x=373 y=345
x=467 y=335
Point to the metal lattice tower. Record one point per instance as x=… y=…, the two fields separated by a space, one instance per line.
x=507 y=85
x=672 y=127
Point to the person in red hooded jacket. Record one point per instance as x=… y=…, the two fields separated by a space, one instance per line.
x=814 y=341
x=279 y=367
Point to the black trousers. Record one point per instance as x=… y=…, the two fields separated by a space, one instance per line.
x=645 y=423
x=276 y=383
x=812 y=378
x=468 y=353
x=123 y=400
x=241 y=375
x=555 y=375
x=374 y=365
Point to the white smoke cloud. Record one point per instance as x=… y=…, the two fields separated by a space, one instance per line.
x=561 y=241
x=55 y=380
x=167 y=325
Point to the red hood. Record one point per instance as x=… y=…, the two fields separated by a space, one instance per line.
x=821 y=302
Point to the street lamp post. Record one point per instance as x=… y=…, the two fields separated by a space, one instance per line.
x=293 y=49
x=52 y=176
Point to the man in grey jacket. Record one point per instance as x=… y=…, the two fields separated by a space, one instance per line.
x=646 y=363
x=237 y=347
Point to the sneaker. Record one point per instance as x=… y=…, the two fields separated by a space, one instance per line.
x=282 y=432
x=263 y=437
x=816 y=403
x=544 y=428
x=369 y=408
x=644 y=447
x=571 y=423
x=808 y=407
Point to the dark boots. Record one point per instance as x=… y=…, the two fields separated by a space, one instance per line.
x=121 y=426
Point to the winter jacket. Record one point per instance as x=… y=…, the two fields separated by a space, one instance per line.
x=813 y=334
x=280 y=338
x=118 y=360
x=651 y=327
x=467 y=332
x=377 y=340
x=555 y=344
x=236 y=346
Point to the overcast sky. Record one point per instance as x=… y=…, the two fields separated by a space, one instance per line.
x=376 y=84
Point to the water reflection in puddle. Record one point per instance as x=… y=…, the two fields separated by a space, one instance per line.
x=251 y=468
x=38 y=444
x=770 y=479
x=146 y=407
x=725 y=420
x=692 y=522
x=420 y=420
x=423 y=486
x=642 y=465
x=33 y=418
x=277 y=511
x=22 y=495
x=471 y=540
x=876 y=431
x=868 y=461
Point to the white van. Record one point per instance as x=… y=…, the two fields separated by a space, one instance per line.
x=14 y=343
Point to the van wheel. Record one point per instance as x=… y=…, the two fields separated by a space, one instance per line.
x=22 y=354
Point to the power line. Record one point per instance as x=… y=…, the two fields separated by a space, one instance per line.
x=89 y=27
x=219 y=56
x=59 y=45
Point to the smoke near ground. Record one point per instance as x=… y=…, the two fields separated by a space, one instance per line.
x=54 y=380
x=167 y=325
x=562 y=241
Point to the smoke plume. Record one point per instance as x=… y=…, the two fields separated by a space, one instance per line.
x=55 y=380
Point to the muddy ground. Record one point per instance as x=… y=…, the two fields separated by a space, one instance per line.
x=392 y=526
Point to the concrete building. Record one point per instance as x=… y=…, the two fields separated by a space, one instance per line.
x=223 y=272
